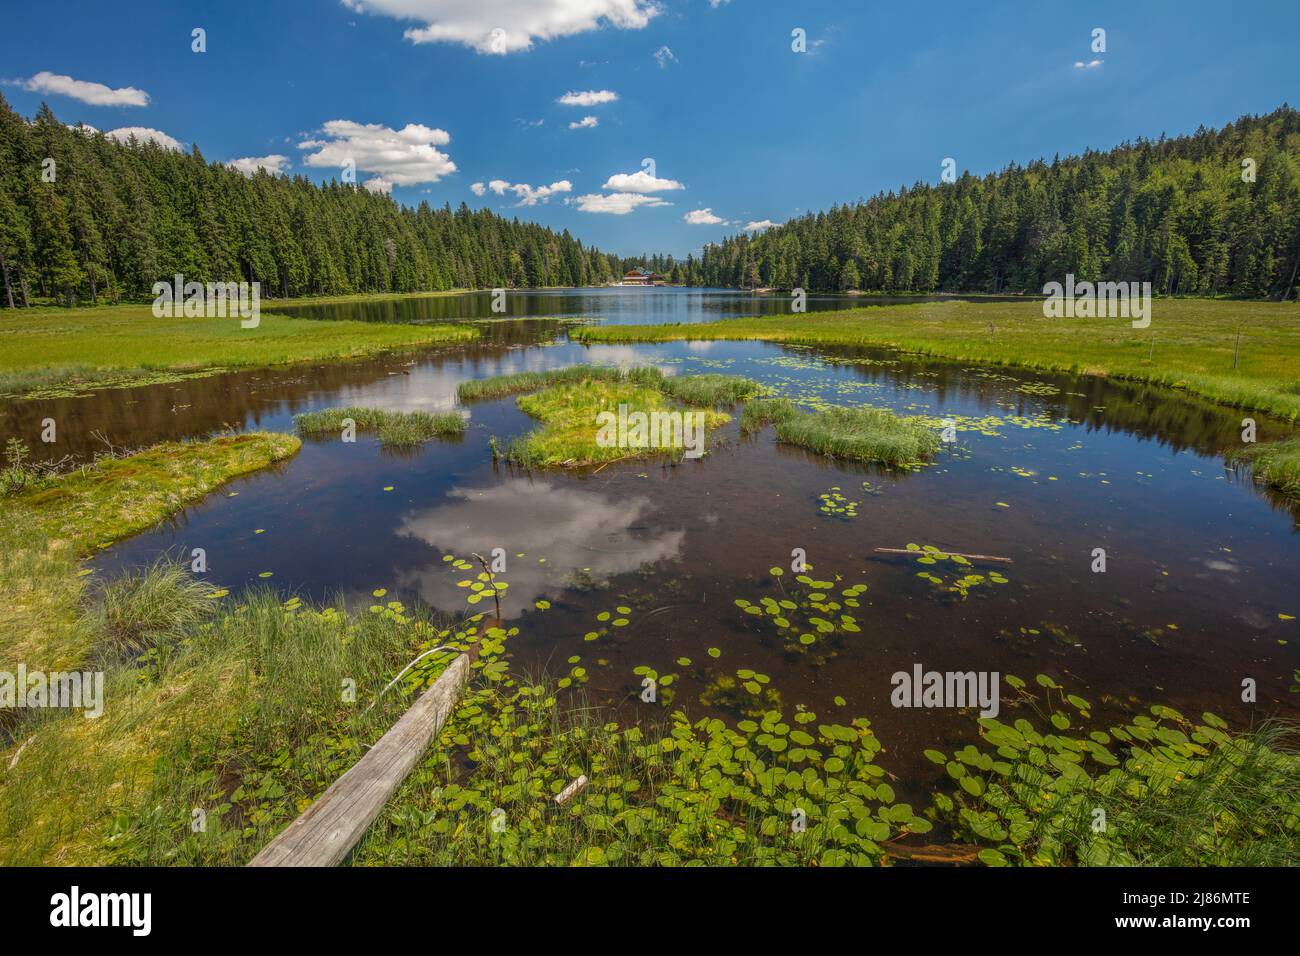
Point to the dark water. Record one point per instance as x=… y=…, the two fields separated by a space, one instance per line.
x=1200 y=561
x=618 y=305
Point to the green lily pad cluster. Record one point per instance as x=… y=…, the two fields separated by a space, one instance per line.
x=809 y=618
x=953 y=583
x=836 y=505
x=1158 y=789
x=768 y=791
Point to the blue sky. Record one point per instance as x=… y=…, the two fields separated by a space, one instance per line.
x=736 y=122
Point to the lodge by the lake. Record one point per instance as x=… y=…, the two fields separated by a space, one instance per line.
x=643 y=277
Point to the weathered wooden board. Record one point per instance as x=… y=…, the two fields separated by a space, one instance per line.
x=331 y=827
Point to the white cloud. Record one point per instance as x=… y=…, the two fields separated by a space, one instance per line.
x=702 y=217
x=616 y=204
x=663 y=56
x=144 y=134
x=402 y=157
x=587 y=97
x=587 y=122
x=507 y=26
x=378 y=184
x=275 y=164
x=96 y=94
x=527 y=195
x=640 y=182
x=1090 y=65
x=758 y=225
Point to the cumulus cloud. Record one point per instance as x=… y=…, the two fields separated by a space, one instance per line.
x=663 y=56
x=527 y=195
x=640 y=182
x=1090 y=65
x=587 y=122
x=402 y=157
x=144 y=134
x=507 y=26
x=378 y=184
x=587 y=97
x=96 y=94
x=616 y=204
x=275 y=164
x=703 y=217
x=758 y=225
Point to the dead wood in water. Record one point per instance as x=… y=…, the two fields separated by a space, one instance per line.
x=951 y=554
x=934 y=852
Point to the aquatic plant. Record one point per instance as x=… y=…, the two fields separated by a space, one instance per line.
x=395 y=429
x=860 y=434
x=960 y=582
x=766 y=411
x=1158 y=790
x=710 y=389
x=499 y=386
x=1276 y=463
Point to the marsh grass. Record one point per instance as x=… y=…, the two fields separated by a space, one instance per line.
x=48 y=529
x=51 y=353
x=155 y=607
x=1194 y=342
x=394 y=429
x=859 y=434
x=569 y=432
x=766 y=411
x=1276 y=464
x=710 y=390
x=500 y=386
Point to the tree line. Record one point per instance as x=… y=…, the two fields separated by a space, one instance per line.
x=1216 y=212
x=84 y=218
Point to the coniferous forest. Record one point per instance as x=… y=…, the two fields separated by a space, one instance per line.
x=118 y=217
x=1213 y=213
x=1181 y=213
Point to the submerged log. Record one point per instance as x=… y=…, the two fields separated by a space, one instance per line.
x=328 y=830
x=934 y=852
x=955 y=554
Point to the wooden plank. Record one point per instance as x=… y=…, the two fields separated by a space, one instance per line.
x=325 y=833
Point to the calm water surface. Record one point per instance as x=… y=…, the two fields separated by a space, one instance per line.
x=1201 y=561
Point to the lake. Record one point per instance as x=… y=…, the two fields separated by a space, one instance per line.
x=1200 y=561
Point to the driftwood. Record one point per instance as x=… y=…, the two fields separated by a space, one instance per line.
x=325 y=833
x=957 y=554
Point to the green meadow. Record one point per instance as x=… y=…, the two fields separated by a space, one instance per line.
x=51 y=352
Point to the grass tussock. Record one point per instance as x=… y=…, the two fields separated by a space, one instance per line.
x=1277 y=464
x=711 y=390
x=500 y=386
x=395 y=429
x=152 y=608
x=766 y=411
x=570 y=434
x=859 y=434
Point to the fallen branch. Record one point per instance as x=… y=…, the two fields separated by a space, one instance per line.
x=951 y=554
